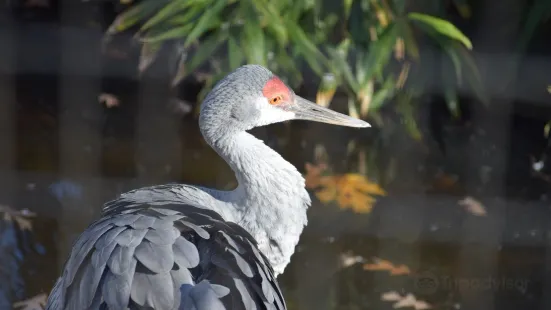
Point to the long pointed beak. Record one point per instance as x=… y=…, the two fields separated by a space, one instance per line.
x=307 y=110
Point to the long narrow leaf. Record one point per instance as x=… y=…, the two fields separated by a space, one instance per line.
x=205 y=22
x=235 y=54
x=134 y=14
x=171 y=9
x=442 y=26
x=380 y=51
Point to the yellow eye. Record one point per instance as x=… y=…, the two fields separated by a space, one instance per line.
x=276 y=100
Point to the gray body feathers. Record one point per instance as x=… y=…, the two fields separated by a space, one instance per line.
x=168 y=256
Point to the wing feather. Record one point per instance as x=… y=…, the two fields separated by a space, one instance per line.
x=166 y=256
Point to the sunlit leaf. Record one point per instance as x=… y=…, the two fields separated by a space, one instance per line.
x=442 y=26
x=173 y=33
x=205 y=22
x=171 y=9
x=385 y=265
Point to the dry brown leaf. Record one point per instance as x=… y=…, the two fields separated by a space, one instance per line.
x=350 y=190
x=109 y=100
x=473 y=206
x=385 y=265
x=37 y=302
x=20 y=217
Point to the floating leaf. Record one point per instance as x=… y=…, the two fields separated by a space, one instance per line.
x=384 y=265
x=442 y=26
x=349 y=190
x=408 y=301
x=473 y=206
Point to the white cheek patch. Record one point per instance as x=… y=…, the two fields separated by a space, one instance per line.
x=270 y=114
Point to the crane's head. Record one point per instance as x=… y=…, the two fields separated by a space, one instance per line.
x=252 y=96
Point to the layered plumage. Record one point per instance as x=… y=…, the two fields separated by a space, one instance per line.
x=165 y=255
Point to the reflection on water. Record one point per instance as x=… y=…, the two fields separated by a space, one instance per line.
x=411 y=251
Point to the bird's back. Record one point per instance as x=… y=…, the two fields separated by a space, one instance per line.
x=168 y=256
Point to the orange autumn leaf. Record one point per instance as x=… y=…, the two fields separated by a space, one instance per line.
x=384 y=265
x=349 y=190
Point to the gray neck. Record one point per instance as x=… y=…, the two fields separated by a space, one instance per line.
x=270 y=201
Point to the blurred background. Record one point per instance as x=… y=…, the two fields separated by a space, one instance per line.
x=443 y=204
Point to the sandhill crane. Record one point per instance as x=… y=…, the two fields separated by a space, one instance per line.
x=186 y=247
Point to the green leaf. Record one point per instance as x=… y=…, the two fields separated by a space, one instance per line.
x=172 y=8
x=380 y=51
x=307 y=49
x=442 y=26
x=133 y=15
x=275 y=23
x=410 y=43
x=380 y=96
x=341 y=67
x=235 y=54
x=204 y=52
x=190 y=15
x=205 y=22
x=253 y=42
x=173 y=33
